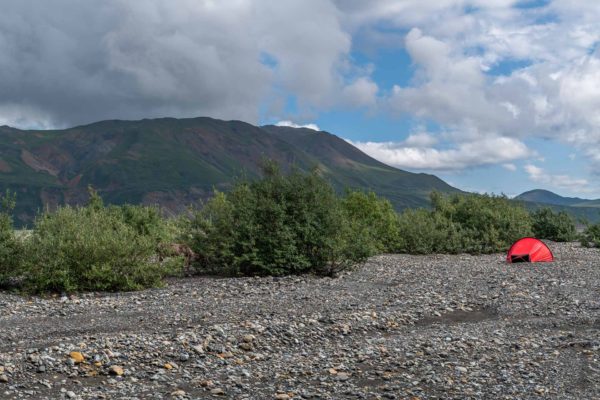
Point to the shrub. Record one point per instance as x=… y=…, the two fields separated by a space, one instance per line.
x=373 y=219
x=10 y=245
x=463 y=224
x=210 y=233
x=146 y=221
x=274 y=226
x=486 y=223
x=426 y=232
x=90 y=248
x=591 y=236
x=547 y=224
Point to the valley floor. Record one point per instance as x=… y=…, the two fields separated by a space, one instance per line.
x=419 y=327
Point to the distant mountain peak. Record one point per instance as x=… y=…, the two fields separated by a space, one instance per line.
x=548 y=197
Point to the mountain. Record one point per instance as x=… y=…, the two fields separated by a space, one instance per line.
x=579 y=208
x=175 y=162
x=548 y=197
x=347 y=166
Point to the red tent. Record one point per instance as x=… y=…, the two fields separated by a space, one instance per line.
x=529 y=250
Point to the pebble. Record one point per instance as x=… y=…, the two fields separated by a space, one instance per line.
x=116 y=370
x=77 y=357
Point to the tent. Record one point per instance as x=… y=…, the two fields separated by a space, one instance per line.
x=529 y=249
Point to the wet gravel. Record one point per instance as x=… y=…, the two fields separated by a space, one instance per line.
x=416 y=327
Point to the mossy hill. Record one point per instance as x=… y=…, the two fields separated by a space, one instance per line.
x=175 y=162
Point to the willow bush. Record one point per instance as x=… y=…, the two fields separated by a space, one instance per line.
x=275 y=226
x=11 y=249
x=463 y=223
x=591 y=235
x=95 y=248
x=556 y=226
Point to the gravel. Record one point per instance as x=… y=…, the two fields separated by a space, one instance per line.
x=400 y=326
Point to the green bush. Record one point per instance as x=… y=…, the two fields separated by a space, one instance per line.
x=10 y=245
x=274 y=226
x=547 y=224
x=373 y=219
x=425 y=232
x=463 y=224
x=90 y=248
x=591 y=236
x=145 y=220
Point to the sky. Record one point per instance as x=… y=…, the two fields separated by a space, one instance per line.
x=497 y=96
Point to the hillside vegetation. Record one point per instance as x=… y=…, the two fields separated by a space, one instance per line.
x=281 y=224
x=176 y=162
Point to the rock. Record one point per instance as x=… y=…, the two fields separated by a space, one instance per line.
x=342 y=376
x=77 y=357
x=246 y=346
x=178 y=393
x=3 y=378
x=249 y=338
x=217 y=392
x=462 y=370
x=540 y=390
x=168 y=366
x=71 y=395
x=116 y=370
x=282 y=396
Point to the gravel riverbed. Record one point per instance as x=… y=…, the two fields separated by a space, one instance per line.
x=398 y=327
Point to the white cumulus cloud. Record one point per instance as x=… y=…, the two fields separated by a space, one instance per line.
x=481 y=152
x=560 y=181
x=291 y=124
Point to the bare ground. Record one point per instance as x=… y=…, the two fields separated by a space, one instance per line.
x=421 y=327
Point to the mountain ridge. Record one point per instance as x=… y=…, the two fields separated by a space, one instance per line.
x=581 y=209
x=175 y=162
x=548 y=197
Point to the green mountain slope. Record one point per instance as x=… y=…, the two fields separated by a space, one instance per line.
x=347 y=166
x=174 y=162
x=577 y=207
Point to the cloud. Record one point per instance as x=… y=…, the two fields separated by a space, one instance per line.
x=489 y=68
x=510 y=167
x=476 y=153
x=361 y=92
x=420 y=139
x=538 y=175
x=291 y=124
x=69 y=62
x=483 y=69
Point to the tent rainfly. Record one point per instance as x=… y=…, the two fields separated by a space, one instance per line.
x=529 y=250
